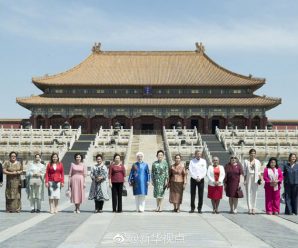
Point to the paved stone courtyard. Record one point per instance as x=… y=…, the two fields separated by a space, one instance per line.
x=149 y=229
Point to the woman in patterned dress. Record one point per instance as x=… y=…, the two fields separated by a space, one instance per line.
x=99 y=186
x=13 y=170
x=160 y=177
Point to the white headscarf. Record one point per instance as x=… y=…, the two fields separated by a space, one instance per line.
x=140 y=153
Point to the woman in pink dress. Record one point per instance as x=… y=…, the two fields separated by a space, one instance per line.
x=77 y=175
x=273 y=178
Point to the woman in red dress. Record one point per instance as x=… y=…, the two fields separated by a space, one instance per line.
x=216 y=176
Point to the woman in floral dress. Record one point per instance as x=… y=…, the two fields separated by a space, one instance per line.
x=99 y=186
x=160 y=177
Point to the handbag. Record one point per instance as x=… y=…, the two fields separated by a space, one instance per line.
x=23 y=181
x=124 y=191
x=68 y=193
x=34 y=180
x=239 y=193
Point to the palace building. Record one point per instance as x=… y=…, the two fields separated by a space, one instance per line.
x=148 y=90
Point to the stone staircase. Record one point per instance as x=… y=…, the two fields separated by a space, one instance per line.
x=80 y=146
x=149 y=144
x=216 y=148
x=134 y=149
x=160 y=142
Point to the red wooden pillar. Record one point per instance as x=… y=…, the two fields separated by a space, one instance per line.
x=130 y=122
x=46 y=121
x=249 y=126
x=110 y=122
x=227 y=120
x=163 y=122
x=206 y=124
x=34 y=124
x=263 y=122
x=184 y=122
x=89 y=128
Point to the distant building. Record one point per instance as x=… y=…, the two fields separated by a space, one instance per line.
x=284 y=124
x=148 y=90
x=11 y=123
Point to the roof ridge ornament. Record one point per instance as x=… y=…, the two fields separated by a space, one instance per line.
x=200 y=47
x=96 y=47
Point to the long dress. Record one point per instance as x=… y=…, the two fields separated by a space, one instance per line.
x=13 y=186
x=177 y=181
x=232 y=179
x=35 y=185
x=99 y=189
x=290 y=174
x=272 y=194
x=160 y=175
x=77 y=172
x=139 y=177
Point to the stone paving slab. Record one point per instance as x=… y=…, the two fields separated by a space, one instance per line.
x=150 y=229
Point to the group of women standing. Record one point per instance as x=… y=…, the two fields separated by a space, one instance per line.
x=272 y=176
x=174 y=177
x=52 y=176
x=162 y=177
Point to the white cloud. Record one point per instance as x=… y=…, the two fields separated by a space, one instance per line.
x=80 y=24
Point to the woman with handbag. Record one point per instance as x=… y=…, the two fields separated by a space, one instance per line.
x=116 y=181
x=273 y=178
x=216 y=176
x=13 y=170
x=99 y=186
x=35 y=183
x=233 y=171
x=54 y=179
x=77 y=175
x=290 y=173
x=252 y=179
x=160 y=178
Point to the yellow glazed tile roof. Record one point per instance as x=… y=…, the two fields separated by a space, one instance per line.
x=254 y=101
x=177 y=68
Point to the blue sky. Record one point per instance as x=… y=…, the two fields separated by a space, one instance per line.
x=258 y=37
